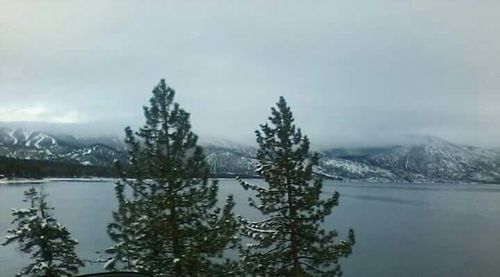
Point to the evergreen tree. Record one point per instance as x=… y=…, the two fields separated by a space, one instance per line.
x=290 y=241
x=169 y=225
x=38 y=233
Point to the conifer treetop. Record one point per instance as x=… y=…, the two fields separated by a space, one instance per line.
x=171 y=226
x=38 y=233
x=291 y=240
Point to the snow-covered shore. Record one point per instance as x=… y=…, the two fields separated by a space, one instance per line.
x=90 y=179
x=48 y=180
x=22 y=181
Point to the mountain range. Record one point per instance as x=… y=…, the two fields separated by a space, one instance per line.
x=421 y=159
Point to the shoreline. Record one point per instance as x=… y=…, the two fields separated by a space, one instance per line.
x=48 y=180
x=75 y=179
x=25 y=181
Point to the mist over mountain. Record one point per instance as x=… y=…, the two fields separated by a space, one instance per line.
x=417 y=159
x=79 y=130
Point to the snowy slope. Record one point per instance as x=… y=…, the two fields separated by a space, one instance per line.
x=422 y=159
x=426 y=159
x=35 y=145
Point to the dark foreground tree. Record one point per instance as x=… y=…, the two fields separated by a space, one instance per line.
x=169 y=225
x=38 y=233
x=290 y=241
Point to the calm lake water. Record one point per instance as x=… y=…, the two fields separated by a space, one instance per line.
x=401 y=229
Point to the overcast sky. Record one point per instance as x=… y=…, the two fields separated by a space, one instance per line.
x=354 y=72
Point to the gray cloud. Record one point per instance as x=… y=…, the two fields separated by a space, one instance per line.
x=353 y=73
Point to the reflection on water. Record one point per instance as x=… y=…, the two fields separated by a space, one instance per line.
x=384 y=199
x=401 y=229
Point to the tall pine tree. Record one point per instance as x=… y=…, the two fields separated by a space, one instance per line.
x=169 y=225
x=290 y=241
x=38 y=233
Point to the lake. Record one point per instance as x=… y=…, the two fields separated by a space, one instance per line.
x=401 y=229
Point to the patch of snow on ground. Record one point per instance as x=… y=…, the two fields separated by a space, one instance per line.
x=11 y=135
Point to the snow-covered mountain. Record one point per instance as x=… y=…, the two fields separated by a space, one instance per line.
x=237 y=161
x=419 y=159
x=36 y=145
x=422 y=159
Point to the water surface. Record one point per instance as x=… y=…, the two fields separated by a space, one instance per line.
x=401 y=229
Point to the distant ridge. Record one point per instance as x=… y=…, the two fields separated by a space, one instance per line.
x=417 y=160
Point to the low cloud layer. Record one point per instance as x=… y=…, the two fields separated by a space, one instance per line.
x=354 y=74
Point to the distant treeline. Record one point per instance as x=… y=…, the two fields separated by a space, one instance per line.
x=38 y=169
x=18 y=168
